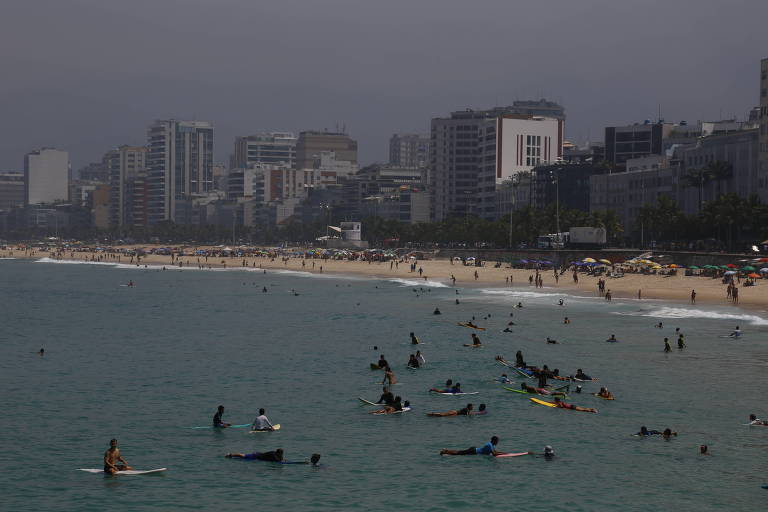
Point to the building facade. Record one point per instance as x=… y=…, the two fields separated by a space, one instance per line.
x=46 y=176
x=11 y=189
x=763 y=180
x=623 y=143
x=408 y=150
x=179 y=165
x=124 y=166
x=277 y=148
x=311 y=145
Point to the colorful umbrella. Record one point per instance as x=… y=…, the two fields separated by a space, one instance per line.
x=693 y=267
x=748 y=268
x=731 y=265
x=607 y=262
x=754 y=276
x=589 y=260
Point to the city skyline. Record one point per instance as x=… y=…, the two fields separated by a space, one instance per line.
x=61 y=90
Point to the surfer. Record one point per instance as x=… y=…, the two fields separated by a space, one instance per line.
x=113 y=461
x=414 y=339
x=519 y=305
x=667 y=348
x=551 y=341
x=660 y=325
x=437 y=311
x=559 y=403
x=667 y=434
x=604 y=393
x=540 y=391
x=41 y=353
x=504 y=379
x=217 y=423
x=754 y=420
x=465 y=411
x=488 y=448
x=382 y=362
x=580 y=375
x=262 y=423
x=736 y=333
x=480 y=411
x=413 y=362
x=560 y=302
x=273 y=456
x=566 y=320
x=386 y=397
x=549 y=452
x=389 y=376
x=644 y=432
x=456 y=388
x=680 y=342
x=612 y=338
x=420 y=357
x=475 y=340
x=519 y=361
x=396 y=406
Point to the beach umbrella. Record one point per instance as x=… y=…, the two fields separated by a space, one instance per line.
x=694 y=267
x=675 y=266
x=754 y=276
x=748 y=268
x=763 y=260
x=731 y=265
x=730 y=272
x=589 y=260
x=607 y=262
x=763 y=270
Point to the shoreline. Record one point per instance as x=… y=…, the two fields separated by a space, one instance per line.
x=673 y=289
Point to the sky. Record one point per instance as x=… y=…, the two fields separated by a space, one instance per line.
x=90 y=75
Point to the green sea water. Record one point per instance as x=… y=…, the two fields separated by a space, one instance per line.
x=143 y=364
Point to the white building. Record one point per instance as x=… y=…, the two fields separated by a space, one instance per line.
x=46 y=176
x=265 y=148
x=523 y=142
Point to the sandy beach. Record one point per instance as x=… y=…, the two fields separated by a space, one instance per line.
x=675 y=288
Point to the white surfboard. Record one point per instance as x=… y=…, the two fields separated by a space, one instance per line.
x=127 y=471
x=276 y=426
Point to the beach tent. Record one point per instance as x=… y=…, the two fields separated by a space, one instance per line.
x=589 y=260
x=607 y=262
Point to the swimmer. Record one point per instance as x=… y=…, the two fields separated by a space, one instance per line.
x=704 y=450
x=680 y=342
x=549 y=452
x=414 y=339
x=581 y=375
x=480 y=411
x=667 y=348
x=503 y=379
x=667 y=434
x=551 y=341
x=519 y=305
x=487 y=449
x=660 y=325
x=413 y=362
x=561 y=302
x=437 y=311
x=612 y=338
x=566 y=320
x=604 y=393
x=754 y=420
x=420 y=357
x=41 y=353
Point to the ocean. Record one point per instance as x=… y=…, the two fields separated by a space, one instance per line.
x=144 y=364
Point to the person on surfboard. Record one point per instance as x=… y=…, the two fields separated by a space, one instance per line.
x=273 y=456
x=464 y=411
x=414 y=339
x=476 y=340
x=540 y=391
x=488 y=448
x=217 y=423
x=262 y=423
x=562 y=405
x=113 y=460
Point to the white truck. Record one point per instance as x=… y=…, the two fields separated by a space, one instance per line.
x=587 y=237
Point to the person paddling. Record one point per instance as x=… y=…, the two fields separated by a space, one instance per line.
x=488 y=448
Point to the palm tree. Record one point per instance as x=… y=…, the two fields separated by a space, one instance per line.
x=697 y=178
x=719 y=171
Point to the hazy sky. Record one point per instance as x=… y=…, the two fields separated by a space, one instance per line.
x=87 y=75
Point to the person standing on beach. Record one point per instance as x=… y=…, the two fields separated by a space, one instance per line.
x=735 y=294
x=608 y=295
x=693 y=296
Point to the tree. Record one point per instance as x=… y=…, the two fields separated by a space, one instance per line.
x=719 y=171
x=697 y=178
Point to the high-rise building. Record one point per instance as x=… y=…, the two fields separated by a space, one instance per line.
x=11 y=189
x=623 y=143
x=763 y=181
x=462 y=146
x=311 y=145
x=124 y=166
x=265 y=148
x=179 y=166
x=46 y=176
x=408 y=150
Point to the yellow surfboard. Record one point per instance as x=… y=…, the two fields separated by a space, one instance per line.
x=542 y=402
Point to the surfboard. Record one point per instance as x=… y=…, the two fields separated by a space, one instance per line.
x=375 y=367
x=541 y=402
x=222 y=428
x=457 y=394
x=276 y=426
x=127 y=471
x=523 y=373
x=463 y=324
x=473 y=345
x=368 y=402
x=501 y=455
x=405 y=409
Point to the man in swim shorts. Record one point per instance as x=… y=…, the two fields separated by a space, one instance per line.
x=559 y=403
x=112 y=457
x=488 y=448
x=217 y=423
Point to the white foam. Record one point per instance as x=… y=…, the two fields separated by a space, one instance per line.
x=8 y=258
x=419 y=283
x=674 y=312
x=75 y=262
x=512 y=294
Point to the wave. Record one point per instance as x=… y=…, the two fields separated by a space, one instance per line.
x=74 y=262
x=673 y=312
x=533 y=295
x=420 y=283
x=8 y=258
